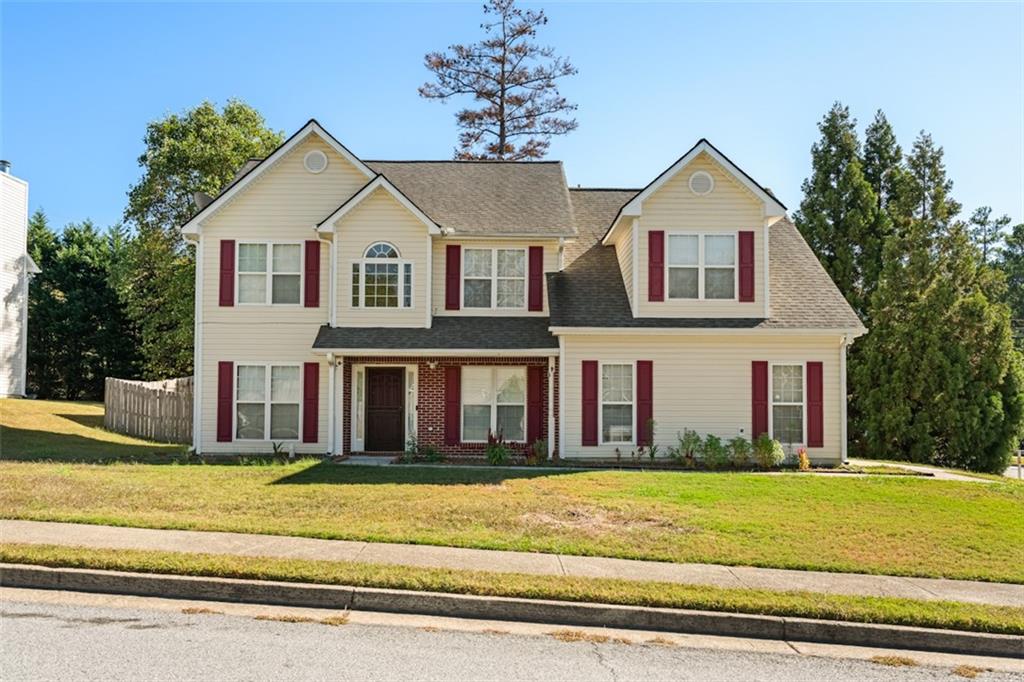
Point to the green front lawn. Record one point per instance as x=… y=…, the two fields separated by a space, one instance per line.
x=890 y=610
x=902 y=525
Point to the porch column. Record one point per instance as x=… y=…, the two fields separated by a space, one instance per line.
x=551 y=406
x=339 y=412
x=330 y=404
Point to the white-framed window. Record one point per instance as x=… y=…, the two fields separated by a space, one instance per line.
x=494 y=278
x=493 y=401
x=267 y=401
x=381 y=279
x=617 y=413
x=702 y=266
x=269 y=273
x=788 y=413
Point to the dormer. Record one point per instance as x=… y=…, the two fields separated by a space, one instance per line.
x=694 y=242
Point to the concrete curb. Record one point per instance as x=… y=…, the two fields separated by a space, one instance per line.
x=505 y=608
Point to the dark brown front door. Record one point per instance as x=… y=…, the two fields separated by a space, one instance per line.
x=385 y=409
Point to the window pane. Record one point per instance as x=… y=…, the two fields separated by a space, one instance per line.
x=617 y=424
x=381 y=250
x=617 y=383
x=510 y=422
x=719 y=250
x=284 y=422
x=682 y=249
x=682 y=283
x=476 y=421
x=286 y=289
x=476 y=386
x=511 y=385
x=250 y=420
x=788 y=423
x=407 y=285
x=719 y=283
x=287 y=258
x=355 y=285
x=284 y=384
x=252 y=288
x=477 y=293
x=359 y=405
x=381 y=285
x=252 y=383
x=511 y=293
x=787 y=384
x=511 y=263
x=252 y=257
x=478 y=263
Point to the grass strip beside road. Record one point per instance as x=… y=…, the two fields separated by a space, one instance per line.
x=882 y=610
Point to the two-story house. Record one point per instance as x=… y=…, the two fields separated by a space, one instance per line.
x=345 y=305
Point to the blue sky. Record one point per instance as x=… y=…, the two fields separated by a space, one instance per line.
x=80 y=82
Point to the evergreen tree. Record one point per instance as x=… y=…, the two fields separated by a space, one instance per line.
x=44 y=327
x=837 y=216
x=987 y=232
x=1011 y=263
x=883 y=160
x=938 y=379
x=197 y=151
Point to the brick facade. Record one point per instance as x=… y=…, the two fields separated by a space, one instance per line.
x=430 y=397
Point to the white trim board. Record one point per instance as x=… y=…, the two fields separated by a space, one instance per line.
x=327 y=224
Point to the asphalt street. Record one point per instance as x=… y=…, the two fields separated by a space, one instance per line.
x=55 y=641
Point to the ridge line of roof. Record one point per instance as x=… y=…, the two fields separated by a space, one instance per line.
x=467 y=161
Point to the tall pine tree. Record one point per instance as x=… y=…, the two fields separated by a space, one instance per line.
x=837 y=214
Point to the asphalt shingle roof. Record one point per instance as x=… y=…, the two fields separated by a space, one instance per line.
x=448 y=332
x=594 y=210
x=487 y=197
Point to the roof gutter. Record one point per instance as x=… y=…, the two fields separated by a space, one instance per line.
x=439 y=352
x=704 y=331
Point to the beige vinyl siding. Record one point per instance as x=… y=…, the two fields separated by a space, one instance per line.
x=624 y=253
x=701 y=382
x=13 y=283
x=730 y=207
x=381 y=218
x=258 y=343
x=550 y=265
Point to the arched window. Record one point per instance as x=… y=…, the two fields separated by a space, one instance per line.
x=381 y=250
x=381 y=279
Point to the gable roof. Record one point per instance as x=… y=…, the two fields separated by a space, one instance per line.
x=803 y=296
x=487 y=198
x=245 y=177
x=773 y=207
x=378 y=182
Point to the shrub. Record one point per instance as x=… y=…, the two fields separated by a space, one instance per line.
x=538 y=452
x=431 y=454
x=497 y=450
x=686 y=450
x=714 y=453
x=804 y=462
x=739 y=448
x=768 y=452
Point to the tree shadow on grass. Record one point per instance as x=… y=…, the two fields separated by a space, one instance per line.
x=327 y=472
x=89 y=421
x=32 y=445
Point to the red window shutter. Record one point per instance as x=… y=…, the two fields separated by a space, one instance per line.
x=759 y=398
x=312 y=274
x=452 y=404
x=746 y=267
x=534 y=403
x=815 y=405
x=589 y=402
x=225 y=400
x=227 y=272
x=536 y=278
x=644 y=401
x=656 y=265
x=310 y=402
x=452 y=269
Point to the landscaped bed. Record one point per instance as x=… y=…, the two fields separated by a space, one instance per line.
x=889 y=610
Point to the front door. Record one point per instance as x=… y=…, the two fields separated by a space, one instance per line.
x=385 y=409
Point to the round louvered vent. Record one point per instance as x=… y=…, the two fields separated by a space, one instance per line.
x=701 y=183
x=315 y=161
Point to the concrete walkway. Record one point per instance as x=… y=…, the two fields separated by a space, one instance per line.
x=936 y=473
x=241 y=544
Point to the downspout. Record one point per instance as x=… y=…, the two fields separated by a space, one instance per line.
x=331 y=321
x=197 y=354
x=844 y=343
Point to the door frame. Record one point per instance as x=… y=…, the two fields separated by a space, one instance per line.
x=357 y=408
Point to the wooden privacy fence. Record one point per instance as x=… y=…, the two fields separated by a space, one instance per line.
x=155 y=410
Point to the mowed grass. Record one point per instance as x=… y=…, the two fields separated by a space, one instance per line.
x=900 y=525
x=932 y=614
x=61 y=430
x=896 y=525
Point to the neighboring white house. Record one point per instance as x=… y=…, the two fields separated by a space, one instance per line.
x=16 y=269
